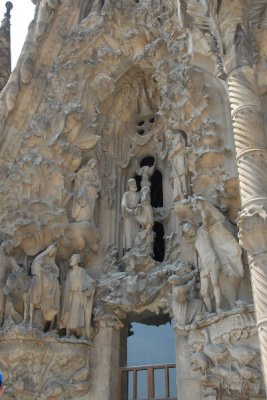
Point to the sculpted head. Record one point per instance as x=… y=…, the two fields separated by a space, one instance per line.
x=52 y=250
x=75 y=260
x=92 y=163
x=189 y=230
x=132 y=185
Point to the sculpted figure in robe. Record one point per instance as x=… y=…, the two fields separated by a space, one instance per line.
x=183 y=307
x=86 y=191
x=78 y=300
x=8 y=264
x=177 y=157
x=44 y=286
x=144 y=217
x=130 y=201
x=144 y=211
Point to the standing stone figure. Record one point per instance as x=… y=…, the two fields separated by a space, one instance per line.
x=130 y=201
x=8 y=264
x=44 y=286
x=177 y=157
x=86 y=191
x=78 y=300
x=209 y=266
x=217 y=250
x=144 y=217
x=223 y=241
x=144 y=211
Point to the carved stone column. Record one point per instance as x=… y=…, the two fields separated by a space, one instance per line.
x=251 y=154
x=188 y=385
x=105 y=364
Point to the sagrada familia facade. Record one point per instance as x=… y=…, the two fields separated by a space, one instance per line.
x=133 y=164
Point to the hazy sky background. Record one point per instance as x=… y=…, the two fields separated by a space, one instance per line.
x=21 y=16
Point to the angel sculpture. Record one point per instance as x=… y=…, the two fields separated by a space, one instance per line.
x=146 y=172
x=217 y=249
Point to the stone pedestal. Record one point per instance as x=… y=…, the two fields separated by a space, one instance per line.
x=41 y=366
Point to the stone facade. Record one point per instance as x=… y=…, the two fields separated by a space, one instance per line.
x=133 y=152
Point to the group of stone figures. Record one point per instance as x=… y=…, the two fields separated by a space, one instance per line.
x=137 y=214
x=40 y=289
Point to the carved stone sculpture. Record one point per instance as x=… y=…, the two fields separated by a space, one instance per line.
x=146 y=172
x=144 y=211
x=226 y=246
x=209 y=268
x=17 y=284
x=129 y=203
x=78 y=300
x=217 y=249
x=86 y=191
x=184 y=309
x=8 y=265
x=44 y=286
x=179 y=170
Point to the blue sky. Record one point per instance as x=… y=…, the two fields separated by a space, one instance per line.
x=21 y=16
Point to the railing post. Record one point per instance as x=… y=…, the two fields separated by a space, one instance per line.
x=150 y=379
x=134 y=384
x=167 y=383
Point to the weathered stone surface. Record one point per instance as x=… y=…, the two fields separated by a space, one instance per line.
x=127 y=128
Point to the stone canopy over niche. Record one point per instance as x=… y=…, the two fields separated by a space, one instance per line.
x=119 y=191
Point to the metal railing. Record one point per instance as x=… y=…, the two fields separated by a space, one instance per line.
x=151 y=392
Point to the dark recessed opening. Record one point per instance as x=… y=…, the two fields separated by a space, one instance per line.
x=140 y=123
x=141 y=132
x=152 y=120
x=156 y=189
x=47 y=326
x=159 y=243
x=149 y=161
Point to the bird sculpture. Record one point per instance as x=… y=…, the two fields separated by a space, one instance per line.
x=215 y=352
x=243 y=355
x=199 y=361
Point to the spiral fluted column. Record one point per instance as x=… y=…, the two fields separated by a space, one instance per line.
x=251 y=154
x=5 y=46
